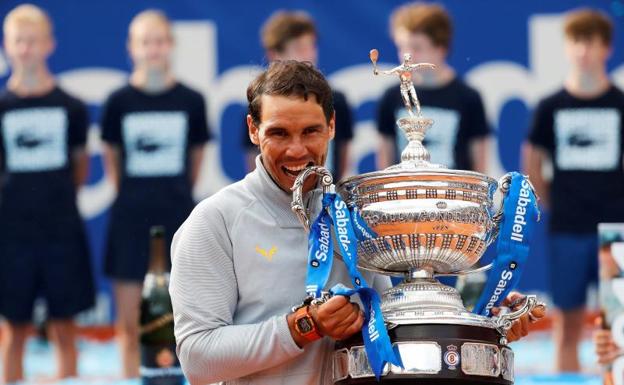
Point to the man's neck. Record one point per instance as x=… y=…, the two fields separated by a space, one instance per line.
x=31 y=82
x=152 y=81
x=587 y=84
x=441 y=76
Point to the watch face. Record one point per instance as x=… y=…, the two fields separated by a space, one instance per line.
x=304 y=325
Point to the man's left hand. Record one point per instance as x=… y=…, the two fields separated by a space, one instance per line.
x=520 y=327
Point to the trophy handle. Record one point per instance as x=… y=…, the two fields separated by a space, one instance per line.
x=503 y=185
x=504 y=321
x=297 y=205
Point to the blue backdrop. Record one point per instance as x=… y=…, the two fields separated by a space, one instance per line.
x=510 y=50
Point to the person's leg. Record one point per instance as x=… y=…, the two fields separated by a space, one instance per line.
x=573 y=258
x=128 y=300
x=67 y=286
x=18 y=287
x=63 y=334
x=12 y=345
x=567 y=331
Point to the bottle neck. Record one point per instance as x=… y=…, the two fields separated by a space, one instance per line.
x=157 y=263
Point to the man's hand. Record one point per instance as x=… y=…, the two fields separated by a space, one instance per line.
x=520 y=327
x=338 y=318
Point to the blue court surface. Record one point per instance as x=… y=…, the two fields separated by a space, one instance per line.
x=99 y=364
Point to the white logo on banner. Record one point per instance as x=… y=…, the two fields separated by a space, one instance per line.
x=588 y=139
x=155 y=143
x=440 y=141
x=35 y=139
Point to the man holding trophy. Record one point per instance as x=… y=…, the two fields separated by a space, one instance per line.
x=242 y=262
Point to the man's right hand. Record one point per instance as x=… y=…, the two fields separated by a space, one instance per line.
x=338 y=318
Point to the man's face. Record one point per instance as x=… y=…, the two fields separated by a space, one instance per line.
x=419 y=46
x=150 y=45
x=587 y=54
x=292 y=135
x=28 y=45
x=302 y=48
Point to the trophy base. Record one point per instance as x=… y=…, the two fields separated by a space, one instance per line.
x=431 y=354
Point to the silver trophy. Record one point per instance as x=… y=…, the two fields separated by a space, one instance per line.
x=430 y=221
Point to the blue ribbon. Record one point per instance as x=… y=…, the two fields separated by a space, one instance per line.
x=362 y=231
x=374 y=333
x=320 y=251
x=376 y=340
x=520 y=213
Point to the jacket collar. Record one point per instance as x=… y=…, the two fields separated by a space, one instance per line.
x=277 y=201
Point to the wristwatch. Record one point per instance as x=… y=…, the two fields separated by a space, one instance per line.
x=305 y=326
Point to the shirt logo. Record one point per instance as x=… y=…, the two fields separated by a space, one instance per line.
x=147 y=144
x=35 y=139
x=268 y=255
x=155 y=143
x=588 y=139
x=30 y=140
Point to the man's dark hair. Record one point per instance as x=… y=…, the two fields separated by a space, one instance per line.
x=293 y=79
x=284 y=26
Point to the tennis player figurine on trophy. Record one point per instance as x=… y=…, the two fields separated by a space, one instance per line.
x=420 y=220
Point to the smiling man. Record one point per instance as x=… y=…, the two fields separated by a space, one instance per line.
x=293 y=35
x=239 y=261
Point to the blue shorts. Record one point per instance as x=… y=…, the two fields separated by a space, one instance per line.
x=128 y=244
x=573 y=267
x=60 y=272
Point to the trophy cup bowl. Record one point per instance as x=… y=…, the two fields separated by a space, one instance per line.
x=436 y=220
x=427 y=221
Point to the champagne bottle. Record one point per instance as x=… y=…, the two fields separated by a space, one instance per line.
x=159 y=363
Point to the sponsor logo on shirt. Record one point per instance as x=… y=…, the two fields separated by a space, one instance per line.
x=587 y=139
x=268 y=255
x=155 y=143
x=35 y=139
x=30 y=140
x=147 y=144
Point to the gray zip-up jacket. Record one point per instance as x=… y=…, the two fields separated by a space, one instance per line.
x=238 y=266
